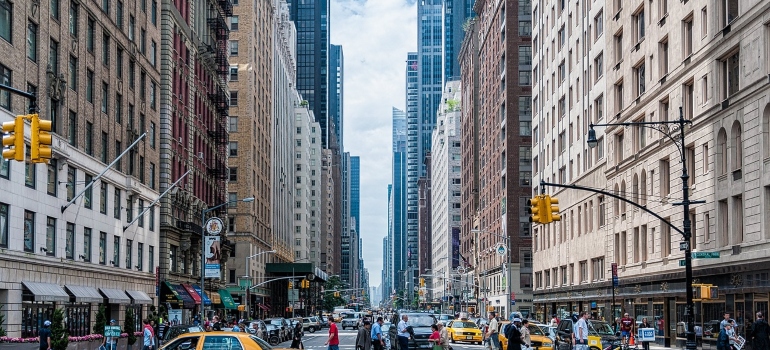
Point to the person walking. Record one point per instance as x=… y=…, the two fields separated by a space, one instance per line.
x=491 y=334
x=45 y=336
x=581 y=332
x=444 y=336
x=403 y=333
x=725 y=321
x=554 y=321
x=760 y=333
x=435 y=337
x=296 y=340
x=378 y=340
x=364 y=337
x=723 y=340
x=513 y=334
x=334 y=337
x=110 y=343
x=149 y=336
x=645 y=324
x=525 y=336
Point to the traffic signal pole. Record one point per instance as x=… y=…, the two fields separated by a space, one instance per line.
x=30 y=96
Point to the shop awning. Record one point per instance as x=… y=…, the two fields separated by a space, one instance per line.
x=115 y=296
x=227 y=300
x=263 y=307
x=84 y=294
x=193 y=294
x=139 y=297
x=206 y=300
x=46 y=291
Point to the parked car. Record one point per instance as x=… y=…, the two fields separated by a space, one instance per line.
x=175 y=331
x=273 y=334
x=283 y=326
x=310 y=324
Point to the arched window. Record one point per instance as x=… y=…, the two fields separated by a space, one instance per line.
x=616 y=202
x=766 y=131
x=722 y=151
x=635 y=189
x=643 y=188
x=736 y=145
x=623 y=195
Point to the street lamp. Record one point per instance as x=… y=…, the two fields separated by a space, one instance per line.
x=508 y=263
x=248 y=275
x=203 y=245
x=663 y=127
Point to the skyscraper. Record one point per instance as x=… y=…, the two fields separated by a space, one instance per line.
x=355 y=191
x=456 y=16
x=336 y=89
x=312 y=21
x=397 y=199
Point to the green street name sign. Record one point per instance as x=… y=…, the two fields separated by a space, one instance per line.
x=705 y=255
x=682 y=262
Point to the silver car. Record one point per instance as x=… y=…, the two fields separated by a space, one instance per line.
x=351 y=322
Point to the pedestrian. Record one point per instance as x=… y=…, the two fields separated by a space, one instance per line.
x=554 y=321
x=45 y=336
x=149 y=336
x=513 y=334
x=296 y=341
x=491 y=334
x=334 y=338
x=731 y=333
x=723 y=340
x=725 y=321
x=626 y=327
x=525 y=336
x=110 y=343
x=760 y=333
x=435 y=337
x=645 y=324
x=364 y=337
x=444 y=336
x=581 y=332
x=403 y=333
x=217 y=326
x=378 y=342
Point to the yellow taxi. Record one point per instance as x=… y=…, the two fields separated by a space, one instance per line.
x=464 y=330
x=217 y=341
x=539 y=340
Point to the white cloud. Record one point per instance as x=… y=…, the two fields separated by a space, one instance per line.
x=375 y=36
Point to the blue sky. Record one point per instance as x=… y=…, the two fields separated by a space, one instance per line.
x=375 y=36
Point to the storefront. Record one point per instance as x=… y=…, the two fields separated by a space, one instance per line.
x=195 y=297
x=228 y=304
x=181 y=304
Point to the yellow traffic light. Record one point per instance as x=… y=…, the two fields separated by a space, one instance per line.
x=41 y=140
x=552 y=209
x=291 y=285
x=241 y=307
x=14 y=140
x=336 y=294
x=422 y=282
x=537 y=210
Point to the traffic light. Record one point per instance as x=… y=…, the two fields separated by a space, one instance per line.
x=336 y=294
x=552 y=209
x=304 y=284
x=41 y=140
x=14 y=140
x=422 y=282
x=241 y=307
x=291 y=285
x=537 y=210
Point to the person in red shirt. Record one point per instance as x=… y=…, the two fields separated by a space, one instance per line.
x=626 y=326
x=334 y=339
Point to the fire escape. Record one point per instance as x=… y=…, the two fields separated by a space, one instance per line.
x=219 y=98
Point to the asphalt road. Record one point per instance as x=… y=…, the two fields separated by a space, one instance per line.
x=315 y=341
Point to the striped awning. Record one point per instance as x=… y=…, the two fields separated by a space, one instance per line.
x=46 y=291
x=115 y=296
x=84 y=294
x=139 y=297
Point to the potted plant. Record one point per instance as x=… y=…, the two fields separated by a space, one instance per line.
x=59 y=337
x=129 y=327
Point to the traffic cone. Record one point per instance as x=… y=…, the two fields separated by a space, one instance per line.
x=631 y=341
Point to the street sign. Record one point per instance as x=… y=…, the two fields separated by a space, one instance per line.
x=683 y=246
x=705 y=255
x=614 y=270
x=112 y=331
x=682 y=262
x=501 y=250
x=293 y=295
x=615 y=281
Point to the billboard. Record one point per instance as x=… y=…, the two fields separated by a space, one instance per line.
x=213 y=253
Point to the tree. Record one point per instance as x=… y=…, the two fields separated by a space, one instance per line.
x=330 y=301
x=2 y=320
x=101 y=321
x=129 y=327
x=59 y=337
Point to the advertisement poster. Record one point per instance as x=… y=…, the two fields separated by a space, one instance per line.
x=175 y=316
x=213 y=250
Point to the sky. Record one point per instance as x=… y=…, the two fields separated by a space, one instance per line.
x=375 y=36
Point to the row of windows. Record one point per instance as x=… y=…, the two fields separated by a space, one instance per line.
x=566 y=275
x=73 y=187
x=74 y=247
